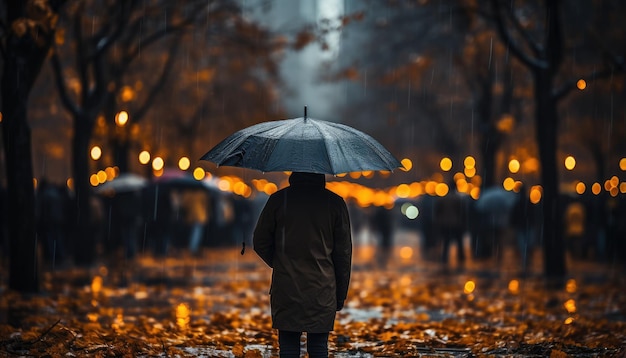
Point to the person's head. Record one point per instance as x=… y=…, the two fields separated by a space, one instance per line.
x=307 y=178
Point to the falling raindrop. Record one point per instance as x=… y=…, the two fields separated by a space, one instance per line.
x=156 y=204
x=364 y=82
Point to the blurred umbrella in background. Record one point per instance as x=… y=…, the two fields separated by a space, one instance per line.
x=126 y=182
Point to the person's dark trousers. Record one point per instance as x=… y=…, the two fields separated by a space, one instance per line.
x=316 y=344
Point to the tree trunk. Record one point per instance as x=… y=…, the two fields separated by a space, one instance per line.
x=23 y=268
x=24 y=57
x=84 y=237
x=546 y=126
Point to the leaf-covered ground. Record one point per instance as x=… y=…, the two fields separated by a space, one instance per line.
x=217 y=306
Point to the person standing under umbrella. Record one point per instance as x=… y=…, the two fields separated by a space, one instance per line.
x=304 y=235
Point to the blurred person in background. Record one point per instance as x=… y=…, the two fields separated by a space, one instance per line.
x=450 y=224
x=381 y=224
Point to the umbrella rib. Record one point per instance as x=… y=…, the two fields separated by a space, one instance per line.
x=319 y=129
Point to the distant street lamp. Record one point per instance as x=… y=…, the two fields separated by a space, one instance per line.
x=445 y=164
x=96 y=152
x=121 y=118
x=144 y=157
x=158 y=163
x=184 y=163
x=570 y=162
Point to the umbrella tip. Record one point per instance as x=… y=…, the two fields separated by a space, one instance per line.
x=304 y=112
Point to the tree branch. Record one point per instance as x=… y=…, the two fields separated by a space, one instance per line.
x=532 y=44
x=508 y=40
x=570 y=85
x=156 y=88
x=57 y=70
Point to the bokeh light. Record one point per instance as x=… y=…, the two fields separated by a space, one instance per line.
x=445 y=164
x=158 y=163
x=581 y=84
x=535 y=194
x=442 y=189
x=412 y=212
x=571 y=286
x=508 y=184
x=403 y=191
x=183 y=315
x=199 y=173
x=596 y=188
x=407 y=164
x=406 y=252
x=184 y=163
x=144 y=157
x=469 y=287
x=570 y=162
x=514 y=166
x=96 y=152
x=121 y=118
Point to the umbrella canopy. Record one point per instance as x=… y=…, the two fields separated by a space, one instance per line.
x=302 y=145
x=126 y=182
x=496 y=200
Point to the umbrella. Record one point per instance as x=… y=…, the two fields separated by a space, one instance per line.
x=497 y=204
x=302 y=145
x=126 y=182
x=496 y=199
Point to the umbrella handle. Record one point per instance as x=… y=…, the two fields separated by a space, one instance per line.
x=243 y=247
x=305 y=113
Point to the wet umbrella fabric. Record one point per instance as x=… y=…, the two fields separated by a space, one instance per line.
x=302 y=145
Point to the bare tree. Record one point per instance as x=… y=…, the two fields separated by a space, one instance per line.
x=98 y=30
x=539 y=45
x=28 y=29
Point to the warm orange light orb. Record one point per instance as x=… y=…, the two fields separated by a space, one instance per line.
x=469 y=287
x=96 y=152
x=407 y=164
x=403 y=191
x=121 y=118
x=514 y=166
x=570 y=162
x=508 y=184
x=158 y=163
x=445 y=164
x=596 y=188
x=184 y=163
x=199 y=173
x=581 y=84
x=535 y=194
x=406 y=252
x=144 y=157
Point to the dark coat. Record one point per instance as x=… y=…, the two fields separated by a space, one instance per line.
x=303 y=233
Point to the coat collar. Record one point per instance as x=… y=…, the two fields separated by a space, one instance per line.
x=314 y=179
